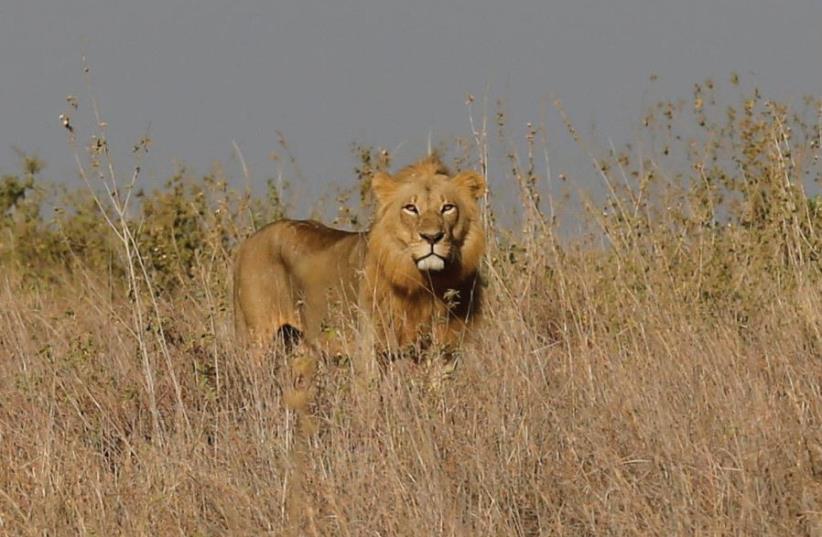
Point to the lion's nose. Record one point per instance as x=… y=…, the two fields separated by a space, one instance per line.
x=432 y=237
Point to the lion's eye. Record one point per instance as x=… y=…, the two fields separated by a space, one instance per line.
x=410 y=208
x=448 y=207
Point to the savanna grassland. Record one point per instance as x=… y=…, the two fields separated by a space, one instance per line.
x=659 y=373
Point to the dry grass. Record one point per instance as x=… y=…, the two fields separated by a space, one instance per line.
x=669 y=383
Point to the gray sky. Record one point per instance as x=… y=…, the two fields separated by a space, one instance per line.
x=202 y=73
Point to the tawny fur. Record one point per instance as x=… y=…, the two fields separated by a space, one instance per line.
x=296 y=272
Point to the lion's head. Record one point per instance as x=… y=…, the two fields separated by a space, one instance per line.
x=427 y=224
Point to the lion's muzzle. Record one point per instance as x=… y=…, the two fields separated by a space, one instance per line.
x=431 y=263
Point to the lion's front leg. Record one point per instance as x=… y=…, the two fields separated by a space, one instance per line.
x=445 y=352
x=365 y=360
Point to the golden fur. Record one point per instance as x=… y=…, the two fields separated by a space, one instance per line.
x=413 y=274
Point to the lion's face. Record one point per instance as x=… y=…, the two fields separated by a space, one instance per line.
x=427 y=223
x=430 y=220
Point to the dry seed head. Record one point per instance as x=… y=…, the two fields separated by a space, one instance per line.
x=65 y=120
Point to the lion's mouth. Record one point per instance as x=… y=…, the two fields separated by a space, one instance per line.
x=431 y=263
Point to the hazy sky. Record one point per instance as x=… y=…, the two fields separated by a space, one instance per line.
x=202 y=73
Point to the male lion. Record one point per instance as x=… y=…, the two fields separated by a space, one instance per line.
x=413 y=274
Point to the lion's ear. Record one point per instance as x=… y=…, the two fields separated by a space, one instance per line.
x=472 y=182
x=383 y=186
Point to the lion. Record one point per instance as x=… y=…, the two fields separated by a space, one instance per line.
x=411 y=279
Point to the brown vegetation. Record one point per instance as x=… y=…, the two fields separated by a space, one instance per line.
x=659 y=376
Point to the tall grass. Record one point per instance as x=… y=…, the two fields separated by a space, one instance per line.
x=660 y=375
